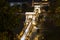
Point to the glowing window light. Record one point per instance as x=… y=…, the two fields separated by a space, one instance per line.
x=30 y=16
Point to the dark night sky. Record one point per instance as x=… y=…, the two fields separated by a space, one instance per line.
x=19 y=0
x=26 y=0
x=15 y=0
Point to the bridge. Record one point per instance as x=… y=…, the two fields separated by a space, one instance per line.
x=31 y=30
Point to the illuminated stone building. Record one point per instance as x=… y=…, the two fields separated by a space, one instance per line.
x=35 y=33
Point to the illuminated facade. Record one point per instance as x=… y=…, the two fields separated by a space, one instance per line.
x=32 y=17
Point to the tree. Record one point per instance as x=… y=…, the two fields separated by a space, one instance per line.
x=10 y=18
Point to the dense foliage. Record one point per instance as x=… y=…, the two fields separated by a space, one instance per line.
x=11 y=19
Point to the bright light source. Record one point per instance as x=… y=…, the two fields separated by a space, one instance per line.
x=30 y=16
x=34 y=23
x=44 y=0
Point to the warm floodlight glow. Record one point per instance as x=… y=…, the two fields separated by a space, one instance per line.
x=34 y=23
x=44 y=0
